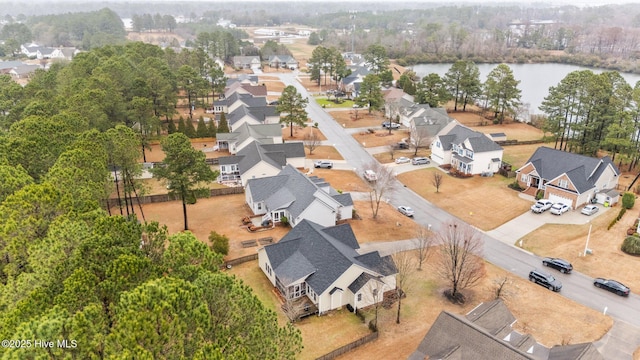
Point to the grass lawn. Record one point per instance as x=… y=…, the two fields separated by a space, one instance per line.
x=514 y=131
x=482 y=202
x=320 y=335
x=347 y=118
x=385 y=157
x=322 y=101
x=344 y=180
x=324 y=152
x=389 y=225
x=299 y=133
x=517 y=155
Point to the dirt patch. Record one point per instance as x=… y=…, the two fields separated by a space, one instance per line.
x=300 y=132
x=529 y=303
x=347 y=118
x=485 y=202
x=220 y=213
x=204 y=144
x=344 y=180
x=275 y=86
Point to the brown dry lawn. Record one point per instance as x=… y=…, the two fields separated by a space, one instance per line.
x=344 y=180
x=385 y=157
x=347 y=118
x=157 y=155
x=480 y=201
x=517 y=155
x=324 y=152
x=533 y=306
x=299 y=133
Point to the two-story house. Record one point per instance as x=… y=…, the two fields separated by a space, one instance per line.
x=467 y=151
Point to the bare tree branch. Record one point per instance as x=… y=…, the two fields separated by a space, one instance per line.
x=423 y=242
x=311 y=141
x=461 y=261
x=391 y=148
x=437 y=180
x=406 y=267
x=381 y=187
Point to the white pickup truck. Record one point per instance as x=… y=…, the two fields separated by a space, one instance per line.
x=370 y=175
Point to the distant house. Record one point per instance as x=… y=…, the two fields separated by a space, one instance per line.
x=260 y=160
x=244 y=89
x=283 y=61
x=351 y=83
x=30 y=50
x=23 y=71
x=321 y=266
x=297 y=197
x=246 y=134
x=570 y=178
x=468 y=151
x=425 y=123
x=486 y=333
x=394 y=101
x=7 y=66
x=247 y=62
x=234 y=100
x=64 y=53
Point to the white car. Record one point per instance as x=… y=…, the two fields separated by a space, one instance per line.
x=402 y=160
x=405 y=210
x=559 y=209
x=323 y=164
x=589 y=210
x=541 y=206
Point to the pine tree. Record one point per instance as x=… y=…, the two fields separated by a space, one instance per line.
x=181 y=126
x=171 y=128
x=212 y=128
x=190 y=130
x=223 y=127
x=202 y=130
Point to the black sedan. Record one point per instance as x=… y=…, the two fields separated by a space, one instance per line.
x=561 y=265
x=611 y=285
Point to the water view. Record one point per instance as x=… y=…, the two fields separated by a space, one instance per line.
x=535 y=79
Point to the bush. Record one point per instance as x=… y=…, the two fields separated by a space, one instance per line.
x=515 y=186
x=617 y=218
x=628 y=200
x=631 y=245
x=219 y=243
x=284 y=220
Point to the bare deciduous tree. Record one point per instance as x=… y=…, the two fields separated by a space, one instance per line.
x=437 y=180
x=381 y=187
x=311 y=141
x=405 y=267
x=294 y=308
x=423 y=241
x=419 y=138
x=391 y=148
x=501 y=287
x=461 y=262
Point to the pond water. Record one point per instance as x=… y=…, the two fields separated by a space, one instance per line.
x=535 y=79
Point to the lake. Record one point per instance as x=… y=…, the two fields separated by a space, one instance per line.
x=535 y=79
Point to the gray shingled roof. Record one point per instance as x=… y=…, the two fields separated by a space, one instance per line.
x=361 y=281
x=329 y=251
x=494 y=316
x=258 y=113
x=344 y=199
x=583 y=171
x=478 y=141
x=294 y=191
x=584 y=351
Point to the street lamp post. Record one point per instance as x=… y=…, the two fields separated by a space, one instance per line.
x=586 y=246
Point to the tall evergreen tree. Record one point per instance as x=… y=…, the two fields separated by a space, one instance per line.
x=201 y=130
x=292 y=105
x=223 y=126
x=171 y=127
x=502 y=91
x=181 y=125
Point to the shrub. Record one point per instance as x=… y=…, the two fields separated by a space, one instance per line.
x=631 y=245
x=617 y=218
x=284 y=220
x=219 y=243
x=515 y=186
x=628 y=200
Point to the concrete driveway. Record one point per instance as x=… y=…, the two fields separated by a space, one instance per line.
x=511 y=231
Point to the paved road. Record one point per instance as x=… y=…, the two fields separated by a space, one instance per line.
x=577 y=287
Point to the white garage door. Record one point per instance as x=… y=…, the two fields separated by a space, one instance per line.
x=560 y=199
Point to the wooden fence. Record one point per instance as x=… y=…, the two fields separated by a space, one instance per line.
x=518 y=142
x=345 y=349
x=233 y=262
x=149 y=199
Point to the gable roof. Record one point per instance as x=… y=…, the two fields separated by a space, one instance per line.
x=328 y=251
x=494 y=316
x=584 y=351
x=478 y=142
x=583 y=171
x=290 y=189
x=262 y=133
x=258 y=113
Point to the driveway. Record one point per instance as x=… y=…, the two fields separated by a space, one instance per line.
x=520 y=226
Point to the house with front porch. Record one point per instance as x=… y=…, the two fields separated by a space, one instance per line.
x=468 y=151
x=259 y=160
x=246 y=134
x=323 y=266
x=297 y=197
x=247 y=62
x=282 y=61
x=569 y=178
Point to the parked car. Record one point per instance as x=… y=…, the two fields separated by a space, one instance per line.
x=392 y=125
x=402 y=160
x=589 y=210
x=561 y=265
x=611 y=285
x=401 y=145
x=420 y=160
x=559 y=209
x=545 y=280
x=323 y=164
x=405 y=210
x=541 y=206
x=370 y=175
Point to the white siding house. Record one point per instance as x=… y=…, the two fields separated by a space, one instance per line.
x=467 y=151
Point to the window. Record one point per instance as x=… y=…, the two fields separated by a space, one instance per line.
x=359 y=297
x=469 y=154
x=437 y=144
x=375 y=292
x=524 y=178
x=563 y=183
x=259 y=206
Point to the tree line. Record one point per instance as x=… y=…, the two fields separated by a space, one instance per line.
x=72 y=268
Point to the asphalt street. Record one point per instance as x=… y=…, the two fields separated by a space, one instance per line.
x=619 y=343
